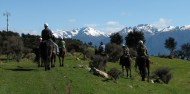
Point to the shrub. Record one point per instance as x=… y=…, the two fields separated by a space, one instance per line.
x=114 y=73
x=97 y=61
x=114 y=51
x=163 y=74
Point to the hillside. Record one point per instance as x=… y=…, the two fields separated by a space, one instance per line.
x=26 y=78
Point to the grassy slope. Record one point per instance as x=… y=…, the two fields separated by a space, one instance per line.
x=26 y=78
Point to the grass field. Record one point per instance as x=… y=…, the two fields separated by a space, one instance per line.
x=26 y=78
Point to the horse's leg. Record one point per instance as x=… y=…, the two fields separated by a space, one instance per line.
x=130 y=71
x=127 y=71
x=143 y=69
x=122 y=69
x=60 y=61
x=148 y=69
x=63 y=60
x=104 y=63
x=51 y=61
x=54 y=60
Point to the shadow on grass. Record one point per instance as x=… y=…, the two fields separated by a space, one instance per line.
x=21 y=69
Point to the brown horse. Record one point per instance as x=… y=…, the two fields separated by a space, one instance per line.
x=125 y=61
x=46 y=50
x=143 y=63
x=62 y=56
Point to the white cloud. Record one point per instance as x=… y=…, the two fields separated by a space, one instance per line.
x=162 y=22
x=92 y=25
x=113 y=26
x=72 y=20
x=112 y=23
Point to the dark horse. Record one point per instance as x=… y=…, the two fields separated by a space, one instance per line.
x=125 y=61
x=143 y=63
x=38 y=59
x=46 y=50
x=62 y=56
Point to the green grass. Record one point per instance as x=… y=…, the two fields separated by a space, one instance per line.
x=26 y=78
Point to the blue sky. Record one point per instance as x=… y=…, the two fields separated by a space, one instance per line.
x=28 y=16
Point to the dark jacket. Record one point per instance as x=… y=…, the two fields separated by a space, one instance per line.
x=46 y=34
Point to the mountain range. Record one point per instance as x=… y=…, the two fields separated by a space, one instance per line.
x=155 y=38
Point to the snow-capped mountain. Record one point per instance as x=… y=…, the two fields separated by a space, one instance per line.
x=85 y=34
x=155 y=38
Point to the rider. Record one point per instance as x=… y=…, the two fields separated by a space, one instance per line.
x=125 y=60
x=61 y=45
x=101 y=48
x=125 y=50
x=142 y=55
x=125 y=53
x=142 y=50
x=48 y=35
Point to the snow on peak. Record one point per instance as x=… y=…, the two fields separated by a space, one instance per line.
x=146 y=28
x=185 y=27
x=169 y=28
x=91 y=31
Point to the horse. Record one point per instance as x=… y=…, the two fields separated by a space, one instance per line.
x=46 y=50
x=38 y=58
x=125 y=61
x=62 y=56
x=143 y=63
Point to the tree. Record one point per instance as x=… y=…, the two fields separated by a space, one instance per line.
x=30 y=41
x=185 y=49
x=170 y=44
x=74 y=45
x=114 y=51
x=1 y=41
x=116 y=38
x=133 y=38
x=90 y=43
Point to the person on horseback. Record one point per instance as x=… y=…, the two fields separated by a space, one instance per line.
x=48 y=47
x=61 y=45
x=125 y=50
x=141 y=49
x=102 y=48
x=62 y=50
x=142 y=57
x=48 y=35
x=125 y=60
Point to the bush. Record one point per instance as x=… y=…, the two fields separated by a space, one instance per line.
x=114 y=73
x=163 y=74
x=98 y=62
x=114 y=51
